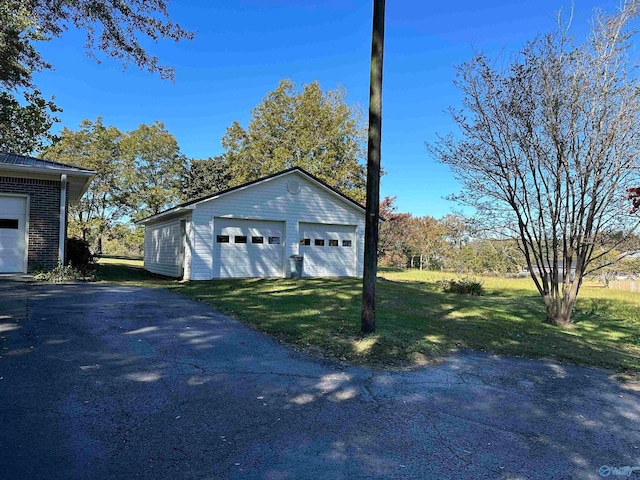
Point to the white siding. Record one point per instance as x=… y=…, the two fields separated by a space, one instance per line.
x=188 y=249
x=202 y=248
x=162 y=247
x=270 y=200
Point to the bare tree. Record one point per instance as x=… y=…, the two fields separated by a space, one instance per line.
x=550 y=144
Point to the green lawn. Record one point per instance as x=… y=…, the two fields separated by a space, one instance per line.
x=415 y=321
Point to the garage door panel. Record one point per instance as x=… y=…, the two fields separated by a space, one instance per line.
x=10 y=246
x=272 y=256
x=250 y=259
x=12 y=205
x=325 y=259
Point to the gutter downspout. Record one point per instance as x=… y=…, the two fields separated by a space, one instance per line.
x=63 y=217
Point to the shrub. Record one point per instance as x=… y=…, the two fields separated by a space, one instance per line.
x=79 y=256
x=59 y=274
x=467 y=286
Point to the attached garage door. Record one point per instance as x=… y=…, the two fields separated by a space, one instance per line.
x=13 y=221
x=328 y=250
x=247 y=248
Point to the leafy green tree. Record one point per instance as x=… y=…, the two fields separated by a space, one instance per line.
x=25 y=125
x=457 y=230
x=138 y=173
x=492 y=256
x=124 y=239
x=25 y=116
x=548 y=147
x=204 y=177
x=154 y=169
x=608 y=267
x=310 y=128
x=97 y=147
x=457 y=234
x=630 y=267
x=118 y=29
x=428 y=242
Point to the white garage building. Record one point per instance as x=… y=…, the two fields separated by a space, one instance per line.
x=252 y=231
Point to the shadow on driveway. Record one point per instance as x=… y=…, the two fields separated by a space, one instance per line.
x=109 y=382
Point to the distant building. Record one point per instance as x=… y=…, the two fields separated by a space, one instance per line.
x=548 y=267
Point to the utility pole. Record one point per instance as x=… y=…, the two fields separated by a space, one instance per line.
x=373 y=172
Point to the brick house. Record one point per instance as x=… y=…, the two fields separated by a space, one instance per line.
x=35 y=195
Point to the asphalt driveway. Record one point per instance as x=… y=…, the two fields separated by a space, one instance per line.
x=108 y=382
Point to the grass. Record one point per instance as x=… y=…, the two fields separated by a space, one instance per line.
x=127 y=272
x=415 y=321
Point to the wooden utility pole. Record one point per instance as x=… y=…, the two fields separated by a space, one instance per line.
x=373 y=172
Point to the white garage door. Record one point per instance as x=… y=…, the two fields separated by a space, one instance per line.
x=13 y=220
x=247 y=248
x=328 y=250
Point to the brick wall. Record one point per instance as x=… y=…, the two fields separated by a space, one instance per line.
x=44 y=218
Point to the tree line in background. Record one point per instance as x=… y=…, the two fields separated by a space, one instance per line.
x=448 y=243
x=143 y=171
x=455 y=243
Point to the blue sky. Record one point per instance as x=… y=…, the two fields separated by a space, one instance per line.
x=243 y=48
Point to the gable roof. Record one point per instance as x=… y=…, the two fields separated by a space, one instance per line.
x=192 y=203
x=78 y=178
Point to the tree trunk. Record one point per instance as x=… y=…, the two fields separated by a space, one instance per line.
x=368 y=324
x=560 y=307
